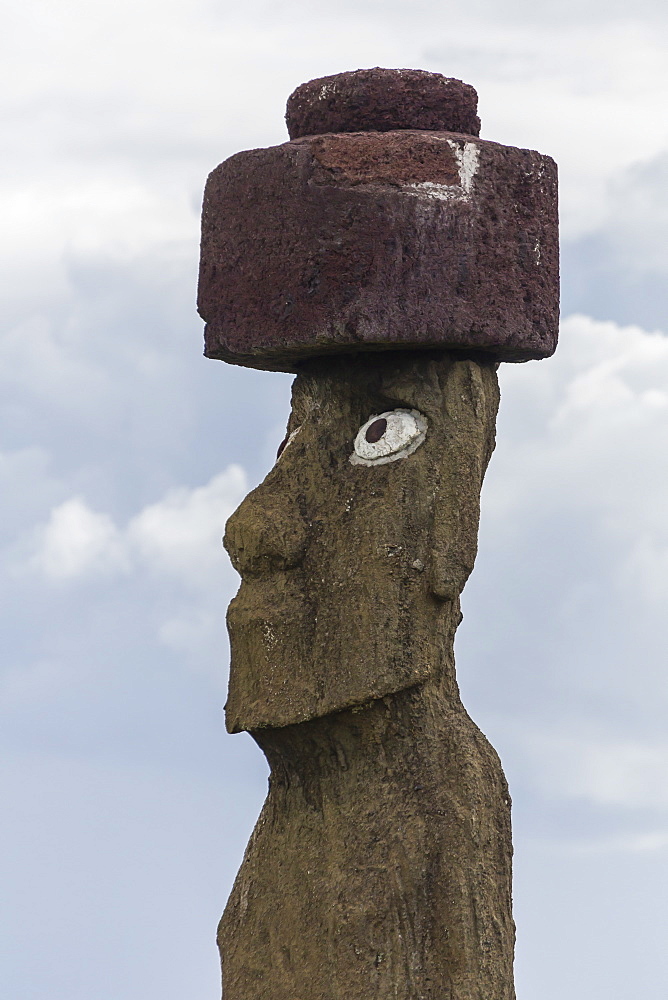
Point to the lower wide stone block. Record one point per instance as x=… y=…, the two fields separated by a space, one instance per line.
x=380 y=240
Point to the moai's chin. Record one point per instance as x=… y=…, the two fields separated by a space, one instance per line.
x=294 y=659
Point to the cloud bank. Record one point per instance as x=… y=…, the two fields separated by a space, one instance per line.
x=178 y=536
x=123 y=451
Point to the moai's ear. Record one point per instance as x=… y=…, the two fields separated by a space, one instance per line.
x=470 y=393
x=470 y=397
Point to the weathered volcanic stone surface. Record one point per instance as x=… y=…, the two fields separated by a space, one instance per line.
x=381 y=864
x=382 y=100
x=380 y=240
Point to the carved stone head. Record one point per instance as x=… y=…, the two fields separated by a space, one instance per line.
x=354 y=550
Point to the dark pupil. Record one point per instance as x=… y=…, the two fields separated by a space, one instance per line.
x=375 y=431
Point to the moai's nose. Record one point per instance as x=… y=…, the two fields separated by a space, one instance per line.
x=265 y=534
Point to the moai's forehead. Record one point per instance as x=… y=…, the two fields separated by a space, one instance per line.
x=428 y=381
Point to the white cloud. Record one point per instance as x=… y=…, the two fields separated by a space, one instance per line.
x=570 y=590
x=114 y=115
x=132 y=121
x=53 y=363
x=580 y=433
x=603 y=771
x=179 y=537
x=26 y=481
x=636 y=216
x=77 y=542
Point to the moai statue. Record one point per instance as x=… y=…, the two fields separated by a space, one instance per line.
x=391 y=259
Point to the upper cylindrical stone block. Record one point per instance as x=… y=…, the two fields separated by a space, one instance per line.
x=382 y=100
x=376 y=239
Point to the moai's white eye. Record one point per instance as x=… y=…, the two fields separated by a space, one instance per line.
x=389 y=436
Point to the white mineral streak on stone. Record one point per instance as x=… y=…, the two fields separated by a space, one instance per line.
x=289 y=442
x=405 y=432
x=467 y=155
x=536 y=251
x=438 y=192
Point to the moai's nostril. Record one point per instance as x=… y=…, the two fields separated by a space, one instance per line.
x=261 y=538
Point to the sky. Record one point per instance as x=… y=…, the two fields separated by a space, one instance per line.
x=126 y=807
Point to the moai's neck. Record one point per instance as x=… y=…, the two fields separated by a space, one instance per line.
x=381 y=863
